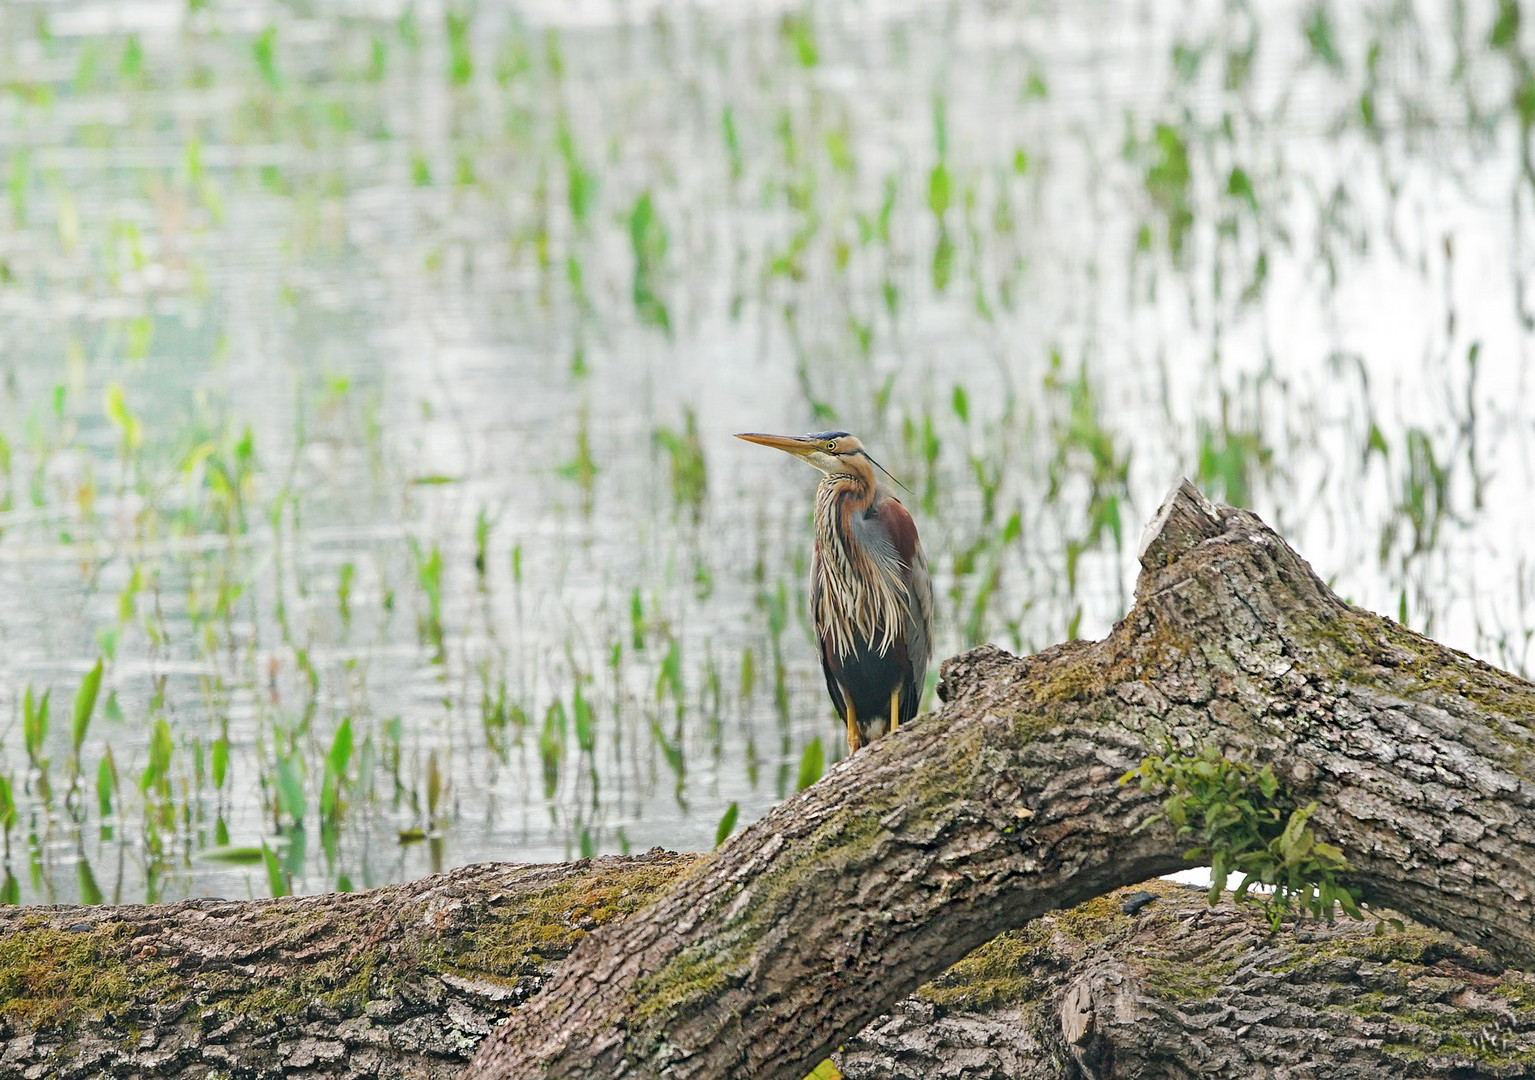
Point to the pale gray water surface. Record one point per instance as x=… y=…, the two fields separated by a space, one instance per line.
x=298 y=300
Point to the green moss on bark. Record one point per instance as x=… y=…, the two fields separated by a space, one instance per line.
x=1424 y=972
x=524 y=934
x=51 y=977
x=845 y=840
x=696 y=973
x=1009 y=968
x=1376 y=651
x=999 y=973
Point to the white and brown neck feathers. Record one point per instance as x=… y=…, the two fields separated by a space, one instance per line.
x=860 y=594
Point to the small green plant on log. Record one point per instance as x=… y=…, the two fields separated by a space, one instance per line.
x=1242 y=822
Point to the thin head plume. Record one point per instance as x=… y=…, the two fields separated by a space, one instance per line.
x=886 y=471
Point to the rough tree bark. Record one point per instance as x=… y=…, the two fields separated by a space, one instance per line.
x=1151 y=983
x=1155 y=983
x=1004 y=805
x=402 y=981
x=996 y=809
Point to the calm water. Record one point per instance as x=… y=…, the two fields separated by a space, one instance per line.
x=367 y=372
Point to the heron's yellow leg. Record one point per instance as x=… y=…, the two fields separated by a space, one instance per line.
x=895 y=708
x=854 y=740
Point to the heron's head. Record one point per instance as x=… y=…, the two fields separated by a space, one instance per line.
x=832 y=452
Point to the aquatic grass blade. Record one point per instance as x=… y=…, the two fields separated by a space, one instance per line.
x=727 y=823
x=812 y=764
x=245 y=855
x=290 y=790
x=277 y=882
x=85 y=705
x=220 y=761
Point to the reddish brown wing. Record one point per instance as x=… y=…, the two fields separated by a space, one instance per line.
x=919 y=599
x=901 y=529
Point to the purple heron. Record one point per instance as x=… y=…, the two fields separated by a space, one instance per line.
x=871 y=596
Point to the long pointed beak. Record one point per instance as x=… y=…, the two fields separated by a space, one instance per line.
x=793 y=444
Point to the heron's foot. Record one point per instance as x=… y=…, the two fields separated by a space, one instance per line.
x=895 y=708
x=854 y=737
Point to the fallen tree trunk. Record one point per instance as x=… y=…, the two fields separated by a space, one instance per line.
x=1004 y=805
x=1155 y=983
x=988 y=814
x=403 y=981
x=406 y=981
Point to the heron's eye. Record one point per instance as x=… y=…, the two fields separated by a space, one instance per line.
x=831 y=446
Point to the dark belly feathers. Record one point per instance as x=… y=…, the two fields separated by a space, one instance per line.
x=867 y=679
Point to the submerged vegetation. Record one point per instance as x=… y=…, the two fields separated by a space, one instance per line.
x=365 y=501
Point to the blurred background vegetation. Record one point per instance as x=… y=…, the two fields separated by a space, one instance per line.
x=367 y=504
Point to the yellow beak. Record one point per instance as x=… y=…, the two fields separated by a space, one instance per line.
x=793 y=444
